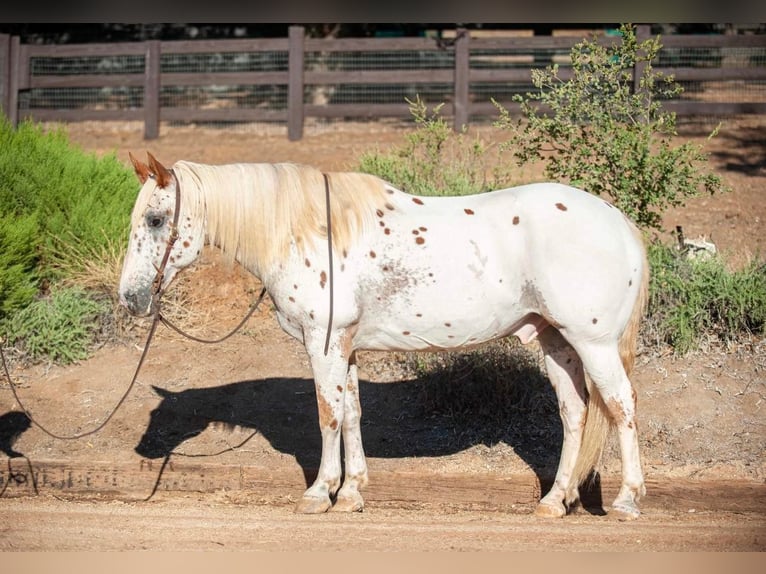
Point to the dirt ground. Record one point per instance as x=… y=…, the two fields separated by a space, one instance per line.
x=240 y=441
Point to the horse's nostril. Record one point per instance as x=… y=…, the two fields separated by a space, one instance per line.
x=130 y=300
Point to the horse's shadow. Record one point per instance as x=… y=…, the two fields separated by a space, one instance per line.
x=396 y=422
x=399 y=420
x=12 y=425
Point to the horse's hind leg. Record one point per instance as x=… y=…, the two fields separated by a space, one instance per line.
x=566 y=375
x=603 y=364
x=349 y=498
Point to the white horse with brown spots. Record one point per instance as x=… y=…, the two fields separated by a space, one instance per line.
x=542 y=261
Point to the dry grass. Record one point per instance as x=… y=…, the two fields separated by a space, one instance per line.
x=493 y=381
x=98 y=271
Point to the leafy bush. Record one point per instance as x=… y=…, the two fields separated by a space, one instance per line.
x=64 y=216
x=435 y=160
x=18 y=259
x=61 y=327
x=692 y=299
x=58 y=208
x=598 y=133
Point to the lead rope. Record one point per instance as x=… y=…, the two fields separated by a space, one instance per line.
x=183 y=333
x=158 y=317
x=156 y=296
x=111 y=414
x=329 y=255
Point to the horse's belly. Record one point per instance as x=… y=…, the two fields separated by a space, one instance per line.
x=437 y=322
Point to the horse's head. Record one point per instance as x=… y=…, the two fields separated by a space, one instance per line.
x=170 y=424
x=164 y=237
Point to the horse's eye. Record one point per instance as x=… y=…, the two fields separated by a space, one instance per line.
x=155 y=221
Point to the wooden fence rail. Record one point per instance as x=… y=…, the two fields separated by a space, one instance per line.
x=463 y=53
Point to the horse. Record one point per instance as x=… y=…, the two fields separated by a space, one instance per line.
x=352 y=263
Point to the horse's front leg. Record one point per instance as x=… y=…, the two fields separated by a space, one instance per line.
x=349 y=496
x=330 y=376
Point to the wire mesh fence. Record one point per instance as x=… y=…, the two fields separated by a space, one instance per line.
x=409 y=72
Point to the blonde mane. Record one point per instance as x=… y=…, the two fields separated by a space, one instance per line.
x=253 y=212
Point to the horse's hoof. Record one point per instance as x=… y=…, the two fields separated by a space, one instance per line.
x=624 y=512
x=550 y=511
x=312 y=505
x=349 y=504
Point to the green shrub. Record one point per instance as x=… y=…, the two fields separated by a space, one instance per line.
x=598 y=133
x=694 y=299
x=436 y=160
x=61 y=327
x=18 y=258
x=78 y=202
x=64 y=217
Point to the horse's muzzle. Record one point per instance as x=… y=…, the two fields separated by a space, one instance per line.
x=138 y=303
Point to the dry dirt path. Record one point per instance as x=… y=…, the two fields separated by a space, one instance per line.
x=196 y=523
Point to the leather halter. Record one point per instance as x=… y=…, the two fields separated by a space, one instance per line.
x=157 y=283
x=158 y=278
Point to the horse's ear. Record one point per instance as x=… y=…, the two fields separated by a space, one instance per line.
x=164 y=393
x=161 y=173
x=142 y=170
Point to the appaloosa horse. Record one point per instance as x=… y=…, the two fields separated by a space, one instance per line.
x=408 y=273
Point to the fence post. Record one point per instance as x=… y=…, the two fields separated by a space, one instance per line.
x=152 y=90
x=462 y=72
x=14 y=75
x=5 y=72
x=643 y=33
x=295 y=61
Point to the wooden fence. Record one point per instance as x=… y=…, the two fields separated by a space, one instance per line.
x=17 y=77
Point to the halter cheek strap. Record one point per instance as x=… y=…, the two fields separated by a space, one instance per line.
x=158 y=278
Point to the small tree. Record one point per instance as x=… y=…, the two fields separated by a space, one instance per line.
x=604 y=136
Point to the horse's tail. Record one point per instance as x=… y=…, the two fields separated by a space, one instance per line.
x=629 y=338
x=598 y=422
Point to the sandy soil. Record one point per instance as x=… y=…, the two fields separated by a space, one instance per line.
x=239 y=418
